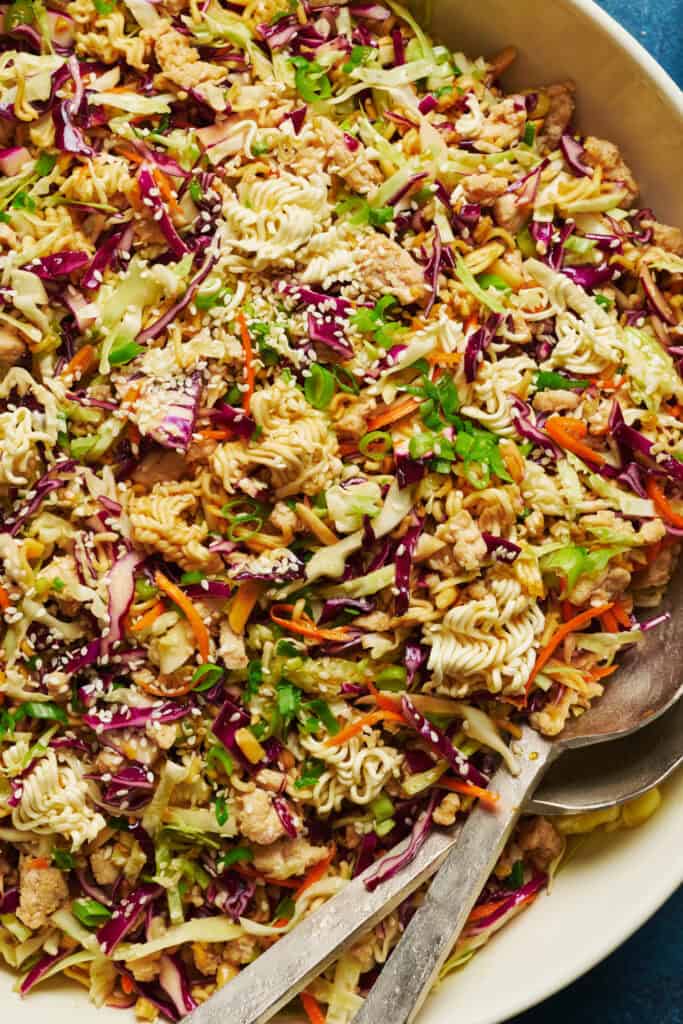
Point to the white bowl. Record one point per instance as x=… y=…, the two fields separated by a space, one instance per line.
x=613 y=886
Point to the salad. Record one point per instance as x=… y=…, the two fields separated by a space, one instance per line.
x=341 y=422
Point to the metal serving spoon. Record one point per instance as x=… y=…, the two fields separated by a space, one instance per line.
x=650 y=682
x=645 y=687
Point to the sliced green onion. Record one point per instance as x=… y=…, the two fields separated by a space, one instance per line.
x=381 y=807
x=125 y=353
x=192 y=577
x=285 y=909
x=48 y=712
x=90 y=913
x=242 y=520
x=207 y=676
x=529 y=134
x=376 y=444
x=493 y=281
x=382 y=828
x=392 y=678
x=218 y=753
x=346 y=381
x=604 y=301
x=238 y=855
x=421 y=445
x=322 y=711
x=319 y=387
x=62 y=859
x=145 y=590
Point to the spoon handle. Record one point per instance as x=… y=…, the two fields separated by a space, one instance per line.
x=414 y=965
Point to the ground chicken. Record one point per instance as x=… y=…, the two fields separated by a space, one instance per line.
x=288 y=858
x=558 y=118
x=666 y=237
x=601 y=153
x=351 y=421
x=659 y=571
x=12 y=348
x=385 y=267
x=540 y=842
x=505 y=122
x=601 y=588
x=465 y=545
x=259 y=821
x=483 y=188
x=104 y=870
x=285 y=519
x=240 y=951
x=446 y=812
x=231 y=649
x=271 y=780
x=180 y=63
x=359 y=173
x=509 y=213
x=555 y=401
x=41 y=892
x=158 y=465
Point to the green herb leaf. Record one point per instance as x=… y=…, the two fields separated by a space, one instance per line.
x=515 y=880
x=44 y=164
x=62 y=859
x=206 y=676
x=254 y=680
x=310 y=773
x=549 y=380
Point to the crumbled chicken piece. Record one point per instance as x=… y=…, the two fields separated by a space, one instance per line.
x=103 y=868
x=207 y=958
x=41 y=892
x=507 y=860
x=159 y=465
x=146 y=968
x=240 y=951
x=180 y=64
x=510 y=213
x=284 y=519
x=663 y=235
x=601 y=588
x=558 y=118
x=466 y=548
x=447 y=811
x=269 y=779
x=651 y=531
x=351 y=421
x=107 y=761
x=259 y=821
x=483 y=188
x=385 y=267
x=163 y=735
x=556 y=400
x=505 y=122
x=354 y=166
x=288 y=858
x=601 y=153
x=231 y=649
x=659 y=571
x=12 y=348
x=540 y=842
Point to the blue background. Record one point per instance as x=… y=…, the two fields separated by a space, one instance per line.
x=642 y=983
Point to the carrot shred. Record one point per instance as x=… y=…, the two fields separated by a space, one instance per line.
x=510 y=727
x=564 y=630
x=316 y=873
x=661 y=503
x=600 y=673
x=312 y=1008
x=355 y=727
x=621 y=615
x=84 y=361
x=315 y=524
x=248 y=361
x=393 y=413
x=127 y=986
x=221 y=434
x=567 y=611
x=487 y=797
x=441 y=358
x=164 y=186
x=653 y=552
x=4 y=599
x=485 y=909
x=382 y=700
x=149 y=618
x=609 y=622
x=568 y=433
x=305 y=626
x=200 y=631
x=243 y=604
x=39 y=863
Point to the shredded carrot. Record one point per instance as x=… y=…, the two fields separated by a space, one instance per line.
x=130 y=154
x=4 y=599
x=243 y=604
x=609 y=622
x=662 y=505
x=248 y=361
x=383 y=700
x=39 y=863
x=221 y=434
x=486 y=796
x=348 y=448
x=355 y=727
x=600 y=673
x=132 y=393
x=621 y=615
x=84 y=361
x=315 y=524
x=305 y=626
x=164 y=186
x=441 y=358
x=564 y=630
x=393 y=413
x=316 y=873
x=312 y=1008
x=149 y=618
x=506 y=726
x=127 y=985
x=484 y=910
x=193 y=617
x=568 y=432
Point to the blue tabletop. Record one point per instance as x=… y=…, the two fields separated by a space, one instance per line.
x=642 y=983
